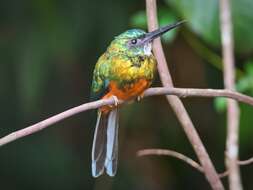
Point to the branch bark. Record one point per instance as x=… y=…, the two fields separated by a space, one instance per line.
x=186 y=159
x=178 y=107
x=245 y=162
x=158 y=152
x=181 y=92
x=233 y=112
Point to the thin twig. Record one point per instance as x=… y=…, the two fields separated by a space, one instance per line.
x=245 y=162
x=181 y=92
x=233 y=112
x=239 y=162
x=180 y=156
x=224 y=174
x=177 y=105
x=195 y=92
x=147 y=152
x=186 y=159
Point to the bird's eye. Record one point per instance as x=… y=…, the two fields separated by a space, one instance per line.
x=133 y=41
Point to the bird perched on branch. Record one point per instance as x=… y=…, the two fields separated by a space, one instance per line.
x=123 y=72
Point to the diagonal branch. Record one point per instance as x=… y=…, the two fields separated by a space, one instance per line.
x=177 y=105
x=181 y=92
x=54 y=119
x=233 y=112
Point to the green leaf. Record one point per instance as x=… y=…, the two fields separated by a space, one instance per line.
x=139 y=19
x=220 y=104
x=249 y=68
x=246 y=120
x=203 y=20
x=245 y=83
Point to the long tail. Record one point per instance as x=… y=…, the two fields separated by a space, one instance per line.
x=105 y=144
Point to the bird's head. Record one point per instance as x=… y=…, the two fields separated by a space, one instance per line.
x=138 y=42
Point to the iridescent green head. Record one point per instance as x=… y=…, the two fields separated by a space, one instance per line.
x=137 y=42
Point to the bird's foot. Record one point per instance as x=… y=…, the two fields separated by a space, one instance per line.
x=116 y=100
x=140 y=97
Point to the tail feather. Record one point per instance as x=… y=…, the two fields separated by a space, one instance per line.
x=99 y=145
x=105 y=144
x=112 y=143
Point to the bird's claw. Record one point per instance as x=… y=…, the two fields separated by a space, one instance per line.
x=140 y=97
x=116 y=100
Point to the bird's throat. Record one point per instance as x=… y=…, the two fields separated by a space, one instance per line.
x=147 y=49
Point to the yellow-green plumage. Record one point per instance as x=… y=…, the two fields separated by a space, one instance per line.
x=122 y=64
x=123 y=69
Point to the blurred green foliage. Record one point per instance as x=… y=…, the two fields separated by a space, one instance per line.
x=220 y=104
x=245 y=83
x=48 y=51
x=203 y=17
x=139 y=19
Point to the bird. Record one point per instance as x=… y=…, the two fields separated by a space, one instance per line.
x=123 y=72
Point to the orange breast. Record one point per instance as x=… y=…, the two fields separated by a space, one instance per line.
x=127 y=92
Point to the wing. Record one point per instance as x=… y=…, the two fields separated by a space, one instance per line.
x=113 y=67
x=101 y=78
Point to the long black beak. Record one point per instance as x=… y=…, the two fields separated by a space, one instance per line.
x=160 y=31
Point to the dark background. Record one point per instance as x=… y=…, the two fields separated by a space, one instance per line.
x=48 y=52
